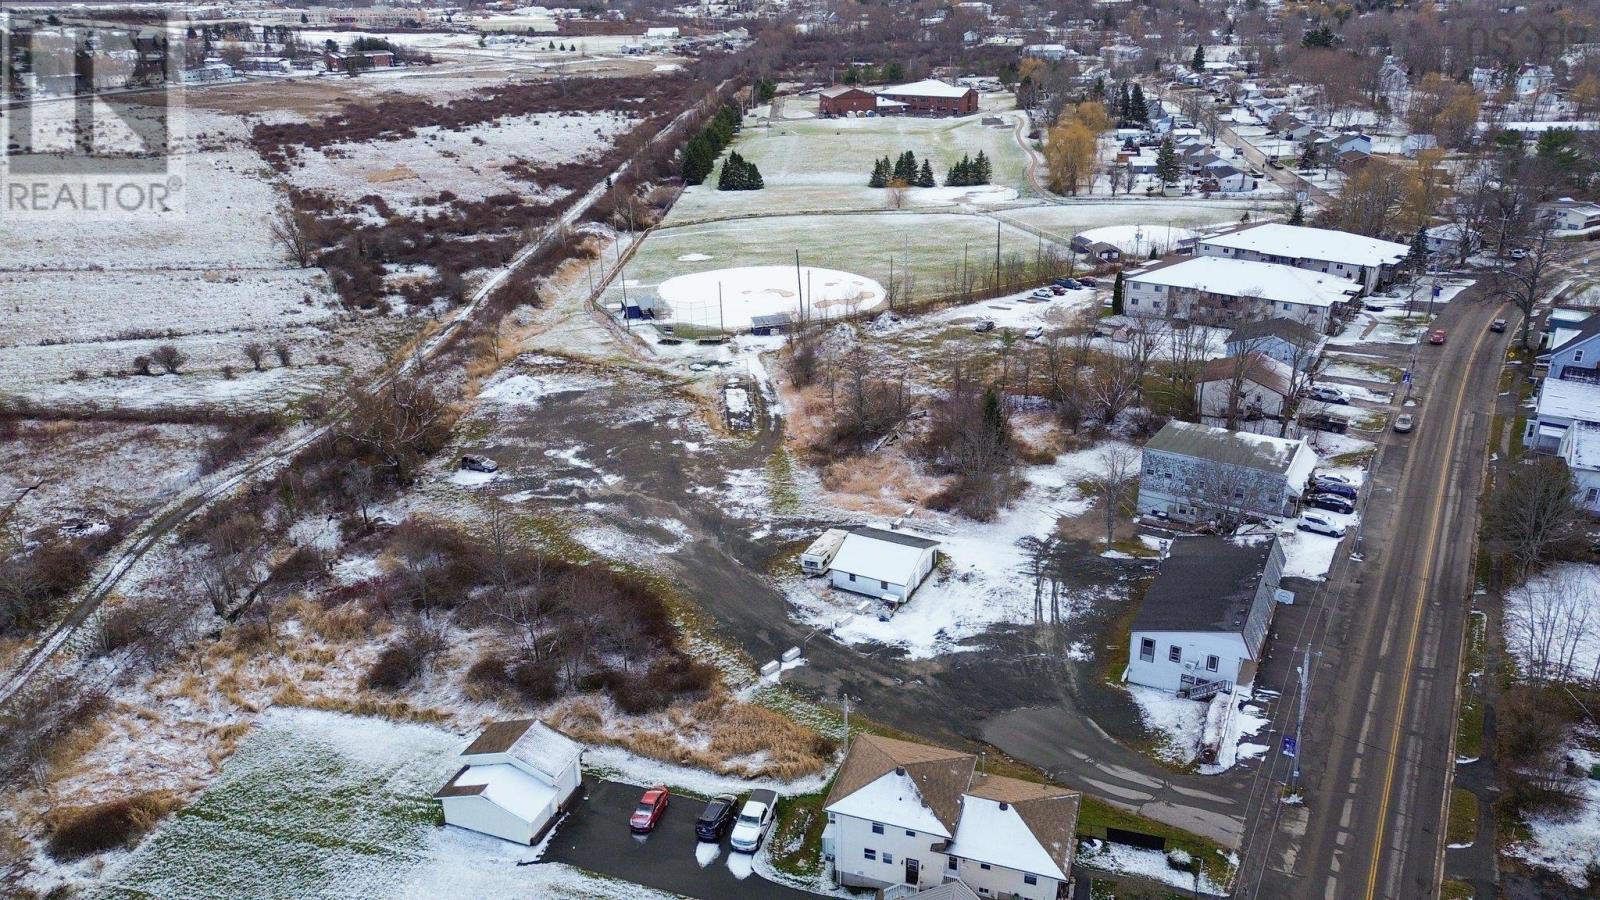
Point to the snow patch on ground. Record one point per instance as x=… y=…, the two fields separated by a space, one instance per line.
x=1552 y=623
x=1152 y=864
x=528 y=390
x=731 y=298
x=1567 y=847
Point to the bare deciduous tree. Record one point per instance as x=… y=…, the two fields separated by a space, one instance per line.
x=254 y=352
x=1116 y=473
x=1531 y=516
x=169 y=358
x=291 y=230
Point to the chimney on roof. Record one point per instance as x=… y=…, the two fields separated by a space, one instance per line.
x=1004 y=806
x=900 y=770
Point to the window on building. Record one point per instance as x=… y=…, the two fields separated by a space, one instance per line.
x=1577 y=356
x=888 y=857
x=852 y=577
x=870 y=853
x=883 y=584
x=1592 y=495
x=950 y=863
x=1175 y=653
x=1147 y=649
x=984 y=866
x=1030 y=879
x=910 y=833
x=1286 y=307
x=1211 y=663
x=877 y=828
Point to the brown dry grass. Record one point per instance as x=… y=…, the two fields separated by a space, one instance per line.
x=884 y=483
x=737 y=731
x=345 y=623
x=78 y=831
x=361 y=704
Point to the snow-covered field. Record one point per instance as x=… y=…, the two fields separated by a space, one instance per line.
x=1152 y=864
x=318 y=804
x=980 y=584
x=926 y=246
x=469 y=163
x=732 y=298
x=1155 y=215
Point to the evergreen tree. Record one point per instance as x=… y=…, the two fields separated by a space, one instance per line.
x=1319 y=37
x=905 y=168
x=1417 y=259
x=984 y=170
x=698 y=159
x=1198 y=63
x=1117 y=289
x=1125 y=104
x=739 y=174
x=1298 y=217
x=1167 y=166
x=1099 y=88
x=925 y=175
x=1138 y=110
x=956 y=176
x=893 y=71
x=1308 y=156
x=995 y=422
x=880 y=173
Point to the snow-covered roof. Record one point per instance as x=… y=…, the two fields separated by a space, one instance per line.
x=892 y=799
x=993 y=832
x=1240 y=278
x=506 y=786
x=1300 y=242
x=528 y=743
x=1286 y=456
x=1581 y=446
x=881 y=555
x=1563 y=399
x=928 y=87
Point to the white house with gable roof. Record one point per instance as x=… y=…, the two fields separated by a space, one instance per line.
x=882 y=563
x=1211 y=290
x=909 y=816
x=516 y=777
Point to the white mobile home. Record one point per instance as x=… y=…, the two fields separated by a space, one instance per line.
x=1205 y=616
x=881 y=563
x=516 y=777
x=815 y=559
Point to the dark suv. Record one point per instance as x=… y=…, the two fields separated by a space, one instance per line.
x=716 y=817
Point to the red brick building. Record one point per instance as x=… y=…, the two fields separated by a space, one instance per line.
x=844 y=99
x=931 y=97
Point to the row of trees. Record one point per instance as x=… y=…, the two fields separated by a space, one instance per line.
x=903 y=171
x=970 y=172
x=700 y=155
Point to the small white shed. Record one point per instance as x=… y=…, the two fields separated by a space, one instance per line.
x=517 y=777
x=883 y=563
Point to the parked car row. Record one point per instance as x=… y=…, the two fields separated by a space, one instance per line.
x=746 y=829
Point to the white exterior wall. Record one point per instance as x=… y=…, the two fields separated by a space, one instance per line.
x=1162 y=489
x=1367 y=276
x=478 y=814
x=1162 y=301
x=999 y=881
x=1194 y=647
x=849 y=838
x=873 y=587
x=1214 y=398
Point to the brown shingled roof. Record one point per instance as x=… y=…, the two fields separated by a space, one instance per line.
x=498 y=737
x=1259 y=368
x=451 y=789
x=940 y=775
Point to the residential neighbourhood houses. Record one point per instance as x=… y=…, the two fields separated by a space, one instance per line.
x=905 y=814
x=1566 y=419
x=1200 y=473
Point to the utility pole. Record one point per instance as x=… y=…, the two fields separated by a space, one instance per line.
x=997 y=256
x=722 y=325
x=1300 y=719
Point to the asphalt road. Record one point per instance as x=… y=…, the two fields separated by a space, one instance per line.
x=1385 y=631
x=595 y=837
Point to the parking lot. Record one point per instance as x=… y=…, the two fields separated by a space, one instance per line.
x=596 y=837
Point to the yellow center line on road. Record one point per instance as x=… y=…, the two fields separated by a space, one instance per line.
x=1426 y=572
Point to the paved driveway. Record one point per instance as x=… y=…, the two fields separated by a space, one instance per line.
x=596 y=837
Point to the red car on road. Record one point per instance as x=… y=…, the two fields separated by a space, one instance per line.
x=1437 y=337
x=648 y=813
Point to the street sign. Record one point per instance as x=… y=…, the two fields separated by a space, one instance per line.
x=1290 y=745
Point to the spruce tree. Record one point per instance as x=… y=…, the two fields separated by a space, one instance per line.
x=1198 y=63
x=1138 y=110
x=925 y=175
x=1125 y=104
x=1298 y=217
x=1117 y=289
x=983 y=170
x=905 y=168
x=1417 y=259
x=1167 y=166
x=880 y=173
x=698 y=159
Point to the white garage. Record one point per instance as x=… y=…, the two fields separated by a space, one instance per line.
x=881 y=563
x=517 y=777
